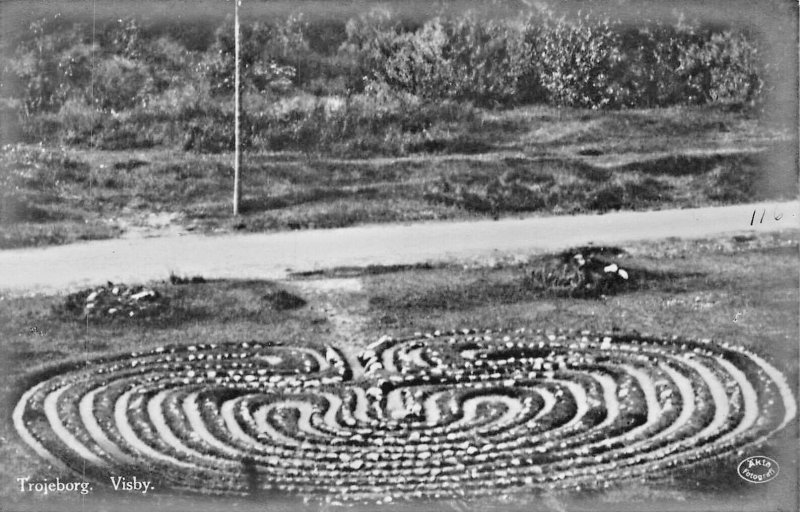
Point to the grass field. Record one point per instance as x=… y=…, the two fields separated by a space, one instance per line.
x=742 y=290
x=534 y=160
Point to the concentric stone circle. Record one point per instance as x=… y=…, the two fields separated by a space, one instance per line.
x=435 y=415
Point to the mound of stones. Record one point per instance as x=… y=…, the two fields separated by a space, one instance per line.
x=115 y=301
x=436 y=415
x=584 y=272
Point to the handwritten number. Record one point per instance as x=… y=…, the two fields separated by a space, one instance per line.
x=775 y=215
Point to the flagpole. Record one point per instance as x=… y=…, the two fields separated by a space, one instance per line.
x=237 y=162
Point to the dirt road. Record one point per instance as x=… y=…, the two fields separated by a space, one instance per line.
x=273 y=256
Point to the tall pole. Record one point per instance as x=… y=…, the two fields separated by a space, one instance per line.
x=237 y=114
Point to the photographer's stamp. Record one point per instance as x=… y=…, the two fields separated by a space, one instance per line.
x=758 y=469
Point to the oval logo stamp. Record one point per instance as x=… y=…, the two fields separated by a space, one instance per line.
x=758 y=469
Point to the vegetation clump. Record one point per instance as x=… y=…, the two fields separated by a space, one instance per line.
x=377 y=81
x=281 y=300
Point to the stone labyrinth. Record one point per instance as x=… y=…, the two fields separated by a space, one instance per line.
x=434 y=416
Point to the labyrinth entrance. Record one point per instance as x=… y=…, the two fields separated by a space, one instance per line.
x=437 y=415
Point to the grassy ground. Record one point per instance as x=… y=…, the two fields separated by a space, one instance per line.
x=537 y=160
x=742 y=290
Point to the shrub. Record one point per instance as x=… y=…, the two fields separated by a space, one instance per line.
x=124 y=38
x=369 y=42
x=51 y=67
x=721 y=69
x=578 y=61
x=75 y=123
x=281 y=300
x=607 y=197
x=584 y=61
x=78 y=122
x=650 y=60
x=262 y=46
x=119 y=83
x=210 y=132
x=462 y=57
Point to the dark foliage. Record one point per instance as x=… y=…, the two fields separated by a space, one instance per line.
x=374 y=83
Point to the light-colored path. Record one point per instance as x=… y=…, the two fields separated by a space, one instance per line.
x=60 y=429
x=272 y=256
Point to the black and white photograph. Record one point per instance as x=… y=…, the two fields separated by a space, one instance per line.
x=399 y=255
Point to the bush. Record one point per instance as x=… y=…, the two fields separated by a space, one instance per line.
x=649 y=71
x=577 y=61
x=123 y=38
x=119 y=84
x=210 y=131
x=51 y=67
x=263 y=45
x=461 y=58
x=680 y=63
x=584 y=61
x=607 y=197
x=369 y=42
x=721 y=69
x=78 y=122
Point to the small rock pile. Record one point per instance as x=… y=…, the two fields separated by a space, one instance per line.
x=584 y=272
x=598 y=270
x=115 y=301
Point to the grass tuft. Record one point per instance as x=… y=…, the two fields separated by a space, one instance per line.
x=281 y=300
